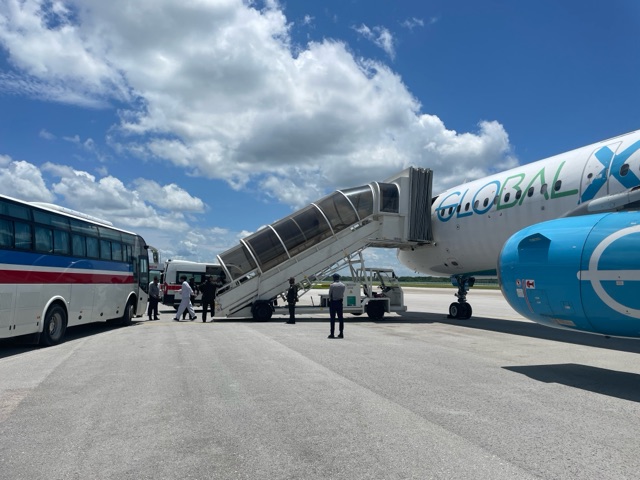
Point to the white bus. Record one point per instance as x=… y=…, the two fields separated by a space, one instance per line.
x=174 y=269
x=60 y=268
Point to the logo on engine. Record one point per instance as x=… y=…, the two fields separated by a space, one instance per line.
x=596 y=276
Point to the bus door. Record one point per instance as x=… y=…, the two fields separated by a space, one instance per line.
x=143 y=283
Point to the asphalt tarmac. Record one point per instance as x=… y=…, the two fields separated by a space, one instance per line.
x=413 y=396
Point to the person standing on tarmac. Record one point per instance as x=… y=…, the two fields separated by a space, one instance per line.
x=185 y=301
x=208 y=290
x=292 y=299
x=154 y=298
x=336 y=294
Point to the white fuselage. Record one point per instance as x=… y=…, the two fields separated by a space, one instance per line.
x=472 y=221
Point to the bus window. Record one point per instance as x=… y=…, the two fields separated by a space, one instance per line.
x=83 y=227
x=6 y=234
x=23 y=236
x=116 y=251
x=44 y=239
x=51 y=219
x=105 y=249
x=93 y=249
x=16 y=211
x=61 y=242
x=78 y=245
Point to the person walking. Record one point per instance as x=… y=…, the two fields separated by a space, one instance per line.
x=154 y=298
x=336 y=294
x=185 y=300
x=192 y=298
x=208 y=290
x=292 y=299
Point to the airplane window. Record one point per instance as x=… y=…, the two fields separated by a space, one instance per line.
x=624 y=169
x=458 y=209
x=543 y=189
x=450 y=210
x=475 y=204
x=590 y=176
x=506 y=197
x=530 y=192
x=495 y=200
x=518 y=194
x=557 y=186
x=486 y=202
x=466 y=207
x=442 y=212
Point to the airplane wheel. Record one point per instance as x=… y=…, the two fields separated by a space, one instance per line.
x=461 y=311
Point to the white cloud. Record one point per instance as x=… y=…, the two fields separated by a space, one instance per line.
x=168 y=197
x=60 y=64
x=380 y=36
x=109 y=198
x=412 y=23
x=227 y=97
x=46 y=135
x=23 y=180
x=218 y=89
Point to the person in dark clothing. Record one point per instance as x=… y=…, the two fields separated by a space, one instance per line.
x=208 y=290
x=292 y=299
x=336 y=294
x=154 y=298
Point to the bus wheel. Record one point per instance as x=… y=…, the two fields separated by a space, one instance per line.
x=128 y=314
x=55 y=325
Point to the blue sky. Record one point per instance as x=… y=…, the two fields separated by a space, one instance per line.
x=195 y=123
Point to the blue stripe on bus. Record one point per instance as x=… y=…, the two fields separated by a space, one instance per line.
x=15 y=257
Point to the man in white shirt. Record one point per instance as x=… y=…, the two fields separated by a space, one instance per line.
x=185 y=301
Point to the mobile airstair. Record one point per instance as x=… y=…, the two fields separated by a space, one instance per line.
x=318 y=238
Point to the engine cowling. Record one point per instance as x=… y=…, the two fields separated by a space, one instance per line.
x=579 y=273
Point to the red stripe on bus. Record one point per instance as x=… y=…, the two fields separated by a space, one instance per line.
x=22 y=276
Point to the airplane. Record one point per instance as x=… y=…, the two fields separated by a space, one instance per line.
x=562 y=235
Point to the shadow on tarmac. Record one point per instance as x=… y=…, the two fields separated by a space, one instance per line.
x=18 y=345
x=612 y=383
x=523 y=328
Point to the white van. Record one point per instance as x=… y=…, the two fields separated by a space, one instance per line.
x=174 y=269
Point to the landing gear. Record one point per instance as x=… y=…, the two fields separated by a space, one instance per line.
x=461 y=309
